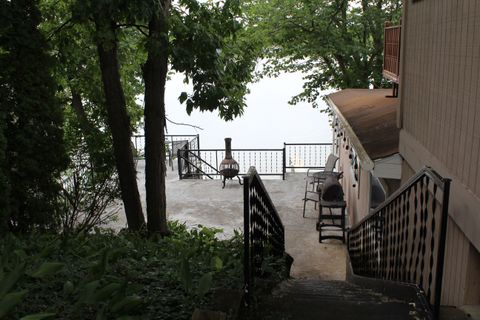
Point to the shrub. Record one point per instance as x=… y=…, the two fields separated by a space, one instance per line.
x=108 y=276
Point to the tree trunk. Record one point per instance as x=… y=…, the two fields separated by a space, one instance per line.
x=155 y=75
x=119 y=123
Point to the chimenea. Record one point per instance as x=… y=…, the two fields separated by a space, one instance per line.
x=229 y=168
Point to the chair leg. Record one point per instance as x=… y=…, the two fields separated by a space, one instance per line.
x=304 y=205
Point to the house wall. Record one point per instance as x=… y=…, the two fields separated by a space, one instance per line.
x=357 y=192
x=440 y=91
x=439 y=115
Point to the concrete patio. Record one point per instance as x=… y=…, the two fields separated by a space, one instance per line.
x=204 y=202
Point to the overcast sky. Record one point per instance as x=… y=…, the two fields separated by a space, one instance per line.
x=267 y=122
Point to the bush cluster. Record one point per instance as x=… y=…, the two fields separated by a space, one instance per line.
x=115 y=276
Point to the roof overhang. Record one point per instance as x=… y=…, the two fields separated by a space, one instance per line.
x=368 y=118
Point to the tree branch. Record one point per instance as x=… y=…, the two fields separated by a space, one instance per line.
x=63 y=25
x=183 y=124
x=141 y=28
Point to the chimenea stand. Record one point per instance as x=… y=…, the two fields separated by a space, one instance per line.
x=229 y=168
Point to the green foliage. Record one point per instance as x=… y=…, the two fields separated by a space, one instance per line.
x=34 y=155
x=208 y=47
x=108 y=276
x=336 y=44
x=4 y=186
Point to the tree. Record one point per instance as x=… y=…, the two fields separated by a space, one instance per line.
x=191 y=37
x=118 y=119
x=155 y=72
x=33 y=152
x=336 y=43
x=199 y=40
x=4 y=186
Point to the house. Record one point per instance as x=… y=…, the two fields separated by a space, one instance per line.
x=430 y=119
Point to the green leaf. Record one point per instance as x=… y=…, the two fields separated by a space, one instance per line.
x=87 y=291
x=185 y=274
x=39 y=316
x=9 y=301
x=106 y=292
x=98 y=269
x=47 y=269
x=217 y=263
x=204 y=284
x=11 y=279
x=127 y=304
x=68 y=287
x=183 y=96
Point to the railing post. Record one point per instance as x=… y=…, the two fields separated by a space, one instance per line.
x=179 y=164
x=187 y=157
x=246 y=239
x=284 y=160
x=441 y=249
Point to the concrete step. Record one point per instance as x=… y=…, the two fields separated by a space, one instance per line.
x=316 y=299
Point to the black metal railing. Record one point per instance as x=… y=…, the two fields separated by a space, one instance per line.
x=172 y=144
x=306 y=155
x=264 y=233
x=404 y=238
x=270 y=162
x=191 y=165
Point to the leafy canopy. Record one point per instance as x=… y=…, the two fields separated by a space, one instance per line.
x=335 y=43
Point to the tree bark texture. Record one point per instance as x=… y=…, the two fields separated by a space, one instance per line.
x=155 y=75
x=119 y=123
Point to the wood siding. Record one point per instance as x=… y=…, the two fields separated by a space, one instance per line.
x=440 y=116
x=456 y=262
x=358 y=196
x=441 y=94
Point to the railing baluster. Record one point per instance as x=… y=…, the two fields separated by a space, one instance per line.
x=404 y=238
x=263 y=229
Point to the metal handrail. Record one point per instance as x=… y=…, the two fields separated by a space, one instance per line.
x=416 y=177
x=264 y=233
x=187 y=159
x=394 y=241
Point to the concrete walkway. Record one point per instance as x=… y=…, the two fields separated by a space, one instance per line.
x=204 y=202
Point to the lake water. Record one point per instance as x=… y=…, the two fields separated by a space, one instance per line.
x=268 y=120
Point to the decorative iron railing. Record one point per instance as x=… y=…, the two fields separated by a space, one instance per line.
x=264 y=233
x=404 y=238
x=270 y=162
x=391 y=52
x=306 y=155
x=172 y=144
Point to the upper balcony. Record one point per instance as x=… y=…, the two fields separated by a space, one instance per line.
x=391 y=52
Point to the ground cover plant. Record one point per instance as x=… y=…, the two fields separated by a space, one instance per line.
x=103 y=275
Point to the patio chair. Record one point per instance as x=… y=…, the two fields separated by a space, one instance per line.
x=315 y=178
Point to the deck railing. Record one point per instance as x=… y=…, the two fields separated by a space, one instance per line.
x=172 y=144
x=264 y=233
x=391 y=52
x=268 y=161
x=404 y=238
x=306 y=155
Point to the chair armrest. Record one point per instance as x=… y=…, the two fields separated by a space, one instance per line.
x=309 y=173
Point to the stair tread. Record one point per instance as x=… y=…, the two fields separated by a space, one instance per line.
x=319 y=299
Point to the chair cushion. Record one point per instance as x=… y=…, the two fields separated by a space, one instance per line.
x=332 y=190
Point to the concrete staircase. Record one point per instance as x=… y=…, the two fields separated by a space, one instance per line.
x=336 y=300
